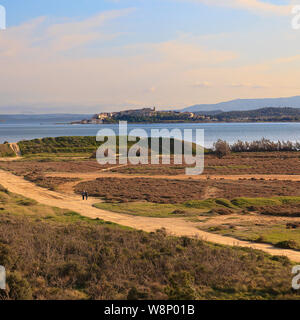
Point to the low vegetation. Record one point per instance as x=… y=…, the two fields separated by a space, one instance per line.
x=142 y=189
x=59 y=145
x=56 y=254
x=265 y=145
x=85 y=145
x=259 y=115
x=236 y=163
x=6 y=151
x=203 y=207
x=278 y=233
x=81 y=145
x=148 y=209
x=221 y=148
x=286 y=210
x=179 y=191
x=48 y=182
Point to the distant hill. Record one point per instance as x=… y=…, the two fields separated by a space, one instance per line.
x=263 y=114
x=208 y=113
x=247 y=104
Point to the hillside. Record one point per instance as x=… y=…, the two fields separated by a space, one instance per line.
x=247 y=104
x=93 y=259
x=264 y=114
x=87 y=145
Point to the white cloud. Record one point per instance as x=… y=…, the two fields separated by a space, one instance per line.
x=72 y=67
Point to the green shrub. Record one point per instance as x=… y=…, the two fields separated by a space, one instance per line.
x=182 y=287
x=282 y=259
x=17 y=287
x=288 y=244
x=256 y=202
x=4 y=190
x=26 y=202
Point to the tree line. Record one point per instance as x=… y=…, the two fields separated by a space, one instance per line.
x=222 y=148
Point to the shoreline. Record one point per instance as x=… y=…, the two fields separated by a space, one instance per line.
x=177 y=122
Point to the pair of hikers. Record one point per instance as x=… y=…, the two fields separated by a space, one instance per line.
x=85 y=195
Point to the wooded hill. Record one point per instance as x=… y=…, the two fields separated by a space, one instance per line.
x=264 y=114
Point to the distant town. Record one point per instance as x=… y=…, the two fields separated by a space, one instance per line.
x=151 y=115
x=148 y=115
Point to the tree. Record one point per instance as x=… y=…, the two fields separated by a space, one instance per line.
x=221 y=148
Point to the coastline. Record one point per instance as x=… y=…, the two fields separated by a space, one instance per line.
x=179 y=122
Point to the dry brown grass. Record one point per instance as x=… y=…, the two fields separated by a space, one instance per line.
x=236 y=163
x=26 y=167
x=51 y=260
x=287 y=210
x=48 y=182
x=178 y=191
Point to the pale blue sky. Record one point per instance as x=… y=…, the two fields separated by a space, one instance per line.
x=86 y=55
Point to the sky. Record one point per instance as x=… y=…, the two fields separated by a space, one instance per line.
x=87 y=56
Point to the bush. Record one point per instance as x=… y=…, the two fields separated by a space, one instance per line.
x=265 y=145
x=135 y=294
x=179 y=212
x=282 y=259
x=281 y=211
x=288 y=244
x=222 y=211
x=182 y=287
x=4 y=190
x=26 y=202
x=17 y=287
x=221 y=148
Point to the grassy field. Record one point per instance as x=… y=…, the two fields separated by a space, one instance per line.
x=59 y=145
x=51 y=253
x=282 y=233
x=195 y=207
x=148 y=209
x=276 y=234
x=80 y=144
x=46 y=157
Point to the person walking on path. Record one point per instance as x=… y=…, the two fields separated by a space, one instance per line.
x=83 y=194
x=86 y=195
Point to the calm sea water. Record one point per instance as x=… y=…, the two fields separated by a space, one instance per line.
x=14 y=130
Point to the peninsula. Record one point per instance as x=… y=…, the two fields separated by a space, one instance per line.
x=151 y=115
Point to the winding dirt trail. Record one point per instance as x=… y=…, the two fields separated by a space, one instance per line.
x=175 y=226
x=15 y=147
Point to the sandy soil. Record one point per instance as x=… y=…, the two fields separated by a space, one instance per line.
x=175 y=226
x=16 y=149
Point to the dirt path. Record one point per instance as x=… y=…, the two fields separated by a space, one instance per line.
x=107 y=174
x=175 y=226
x=16 y=149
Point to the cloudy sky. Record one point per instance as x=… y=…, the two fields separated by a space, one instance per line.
x=86 y=56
